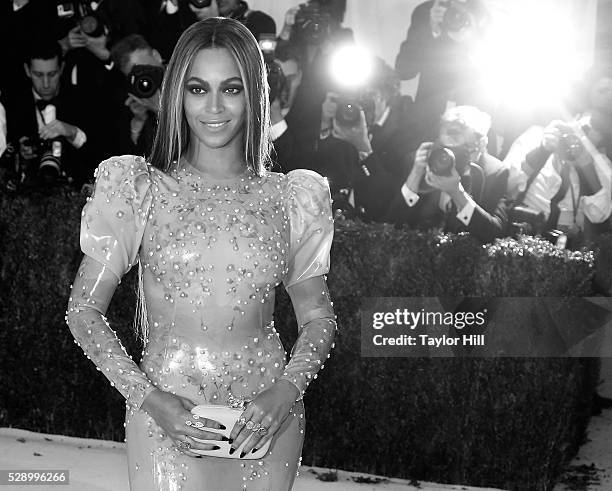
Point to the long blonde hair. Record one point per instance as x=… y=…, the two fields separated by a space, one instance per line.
x=172 y=136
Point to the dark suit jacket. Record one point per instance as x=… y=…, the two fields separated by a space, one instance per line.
x=445 y=68
x=338 y=160
x=489 y=180
x=71 y=108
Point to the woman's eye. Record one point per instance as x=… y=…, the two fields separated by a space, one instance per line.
x=233 y=90
x=196 y=90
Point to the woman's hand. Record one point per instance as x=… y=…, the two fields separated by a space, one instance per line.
x=171 y=413
x=269 y=409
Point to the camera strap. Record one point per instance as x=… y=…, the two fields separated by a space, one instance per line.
x=536 y=159
x=555 y=211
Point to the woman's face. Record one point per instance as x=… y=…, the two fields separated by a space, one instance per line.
x=214 y=100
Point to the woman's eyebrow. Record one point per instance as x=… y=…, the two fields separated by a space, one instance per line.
x=226 y=81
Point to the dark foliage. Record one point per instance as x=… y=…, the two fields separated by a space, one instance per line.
x=507 y=422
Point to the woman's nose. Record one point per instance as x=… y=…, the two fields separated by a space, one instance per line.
x=215 y=104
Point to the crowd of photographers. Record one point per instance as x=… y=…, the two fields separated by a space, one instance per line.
x=82 y=83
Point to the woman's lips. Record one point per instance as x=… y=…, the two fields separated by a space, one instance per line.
x=214 y=125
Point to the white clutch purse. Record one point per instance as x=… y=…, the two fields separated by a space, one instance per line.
x=227 y=416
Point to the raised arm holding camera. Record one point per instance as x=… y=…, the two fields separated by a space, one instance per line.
x=453 y=183
x=141 y=71
x=561 y=175
x=437 y=48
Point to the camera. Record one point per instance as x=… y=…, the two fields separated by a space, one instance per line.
x=45 y=163
x=200 y=4
x=312 y=23
x=570 y=147
x=347 y=112
x=527 y=221
x=145 y=80
x=349 y=108
x=442 y=160
x=85 y=15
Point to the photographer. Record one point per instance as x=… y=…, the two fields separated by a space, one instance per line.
x=437 y=47
x=563 y=172
x=137 y=99
x=558 y=173
x=373 y=123
x=314 y=29
x=50 y=124
x=454 y=183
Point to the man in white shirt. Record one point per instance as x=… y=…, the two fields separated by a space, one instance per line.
x=571 y=187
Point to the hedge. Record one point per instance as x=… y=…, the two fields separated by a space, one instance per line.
x=502 y=422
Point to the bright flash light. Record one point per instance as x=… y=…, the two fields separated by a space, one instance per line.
x=531 y=55
x=351 y=66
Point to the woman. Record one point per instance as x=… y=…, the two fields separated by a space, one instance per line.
x=213 y=234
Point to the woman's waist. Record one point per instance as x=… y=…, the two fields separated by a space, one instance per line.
x=185 y=353
x=209 y=374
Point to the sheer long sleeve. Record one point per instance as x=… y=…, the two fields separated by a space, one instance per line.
x=311 y=238
x=112 y=226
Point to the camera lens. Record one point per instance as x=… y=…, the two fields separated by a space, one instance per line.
x=91 y=26
x=49 y=169
x=144 y=80
x=347 y=114
x=570 y=147
x=145 y=86
x=441 y=161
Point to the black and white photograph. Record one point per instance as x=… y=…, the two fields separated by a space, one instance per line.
x=308 y=245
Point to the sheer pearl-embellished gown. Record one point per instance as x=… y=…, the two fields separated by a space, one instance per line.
x=211 y=252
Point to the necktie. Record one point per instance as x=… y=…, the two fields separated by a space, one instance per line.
x=42 y=104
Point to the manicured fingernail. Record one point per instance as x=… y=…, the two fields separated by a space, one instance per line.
x=225 y=439
x=232 y=450
x=222 y=427
x=230 y=440
x=254 y=450
x=215 y=447
x=199 y=456
x=242 y=454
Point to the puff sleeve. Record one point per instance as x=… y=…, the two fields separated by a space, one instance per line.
x=114 y=218
x=112 y=226
x=311 y=231
x=311 y=226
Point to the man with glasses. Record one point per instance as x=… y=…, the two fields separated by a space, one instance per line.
x=453 y=183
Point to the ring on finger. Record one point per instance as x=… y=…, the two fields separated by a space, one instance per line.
x=195 y=424
x=241 y=422
x=262 y=430
x=184 y=445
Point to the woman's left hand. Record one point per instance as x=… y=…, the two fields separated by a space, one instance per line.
x=268 y=410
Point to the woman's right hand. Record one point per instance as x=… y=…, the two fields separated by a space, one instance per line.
x=171 y=412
